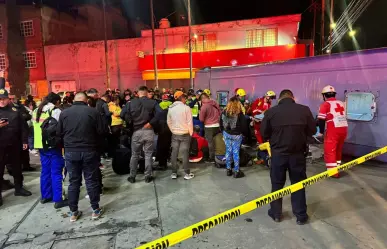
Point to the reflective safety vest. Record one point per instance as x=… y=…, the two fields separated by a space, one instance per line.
x=38 y=139
x=195 y=109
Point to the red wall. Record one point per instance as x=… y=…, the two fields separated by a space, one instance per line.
x=245 y=56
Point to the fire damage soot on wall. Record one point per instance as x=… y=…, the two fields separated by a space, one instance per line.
x=216 y=221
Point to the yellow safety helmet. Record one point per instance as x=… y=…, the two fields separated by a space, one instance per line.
x=241 y=92
x=270 y=94
x=207 y=91
x=328 y=89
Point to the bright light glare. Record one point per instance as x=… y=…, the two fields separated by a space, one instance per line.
x=352 y=33
x=328 y=51
x=333 y=25
x=195 y=36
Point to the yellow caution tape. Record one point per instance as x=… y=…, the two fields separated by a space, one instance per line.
x=188 y=232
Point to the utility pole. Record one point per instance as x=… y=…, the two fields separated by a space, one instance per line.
x=322 y=24
x=106 y=45
x=331 y=27
x=190 y=43
x=154 y=45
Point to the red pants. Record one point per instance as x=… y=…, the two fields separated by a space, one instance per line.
x=333 y=147
x=257 y=132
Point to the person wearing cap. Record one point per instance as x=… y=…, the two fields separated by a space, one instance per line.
x=180 y=123
x=14 y=139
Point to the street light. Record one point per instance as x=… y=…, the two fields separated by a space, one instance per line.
x=352 y=33
x=333 y=25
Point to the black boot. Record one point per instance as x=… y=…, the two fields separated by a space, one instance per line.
x=28 y=169
x=1 y=200
x=238 y=174
x=44 y=201
x=7 y=185
x=61 y=204
x=22 y=192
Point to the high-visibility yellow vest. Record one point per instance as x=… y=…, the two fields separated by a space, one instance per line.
x=38 y=140
x=195 y=109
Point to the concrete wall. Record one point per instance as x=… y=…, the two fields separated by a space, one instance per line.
x=363 y=71
x=230 y=35
x=85 y=63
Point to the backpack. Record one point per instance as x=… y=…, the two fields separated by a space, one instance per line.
x=49 y=137
x=244 y=158
x=194 y=148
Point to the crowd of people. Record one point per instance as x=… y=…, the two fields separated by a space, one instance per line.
x=73 y=134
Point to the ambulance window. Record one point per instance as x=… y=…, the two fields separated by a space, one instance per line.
x=361 y=106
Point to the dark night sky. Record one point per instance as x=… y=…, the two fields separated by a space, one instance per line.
x=370 y=26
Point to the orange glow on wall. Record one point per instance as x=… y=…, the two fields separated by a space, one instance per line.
x=169 y=74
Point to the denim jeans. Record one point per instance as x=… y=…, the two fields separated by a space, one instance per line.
x=88 y=164
x=180 y=143
x=142 y=139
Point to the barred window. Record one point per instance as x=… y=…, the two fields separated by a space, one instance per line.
x=261 y=38
x=30 y=59
x=27 y=28
x=2 y=62
x=1 y=31
x=202 y=43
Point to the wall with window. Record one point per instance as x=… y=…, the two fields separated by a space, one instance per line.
x=261 y=32
x=359 y=77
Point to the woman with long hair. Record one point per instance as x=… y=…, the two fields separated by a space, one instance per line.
x=234 y=126
x=50 y=157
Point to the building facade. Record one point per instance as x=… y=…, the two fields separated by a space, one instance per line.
x=26 y=29
x=130 y=61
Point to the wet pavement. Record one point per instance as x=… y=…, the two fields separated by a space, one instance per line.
x=350 y=212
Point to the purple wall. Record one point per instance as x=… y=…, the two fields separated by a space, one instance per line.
x=363 y=71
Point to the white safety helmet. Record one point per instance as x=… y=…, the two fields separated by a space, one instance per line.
x=328 y=89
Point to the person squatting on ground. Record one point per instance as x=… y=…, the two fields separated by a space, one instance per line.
x=287 y=127
x=201 y=152
x=210 y=114
x=180 y=123
x=50 y=155
x=332 y=113
x=140 y=115
x=234 y=126
x=14 y=139
x=258 y=107
x=81 y=127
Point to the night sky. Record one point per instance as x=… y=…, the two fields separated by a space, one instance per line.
x=371 y=31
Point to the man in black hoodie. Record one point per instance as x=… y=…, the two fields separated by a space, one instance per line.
x=81 y=127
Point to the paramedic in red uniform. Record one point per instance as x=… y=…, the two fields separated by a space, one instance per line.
x=332 y=113
x=258 y=107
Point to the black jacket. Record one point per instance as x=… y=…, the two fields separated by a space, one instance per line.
x=103 y=108
x=140 y=111
x=287 y=127
x=23 y=111
x=81 y=128
x=239 y=127
x=16 y=132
